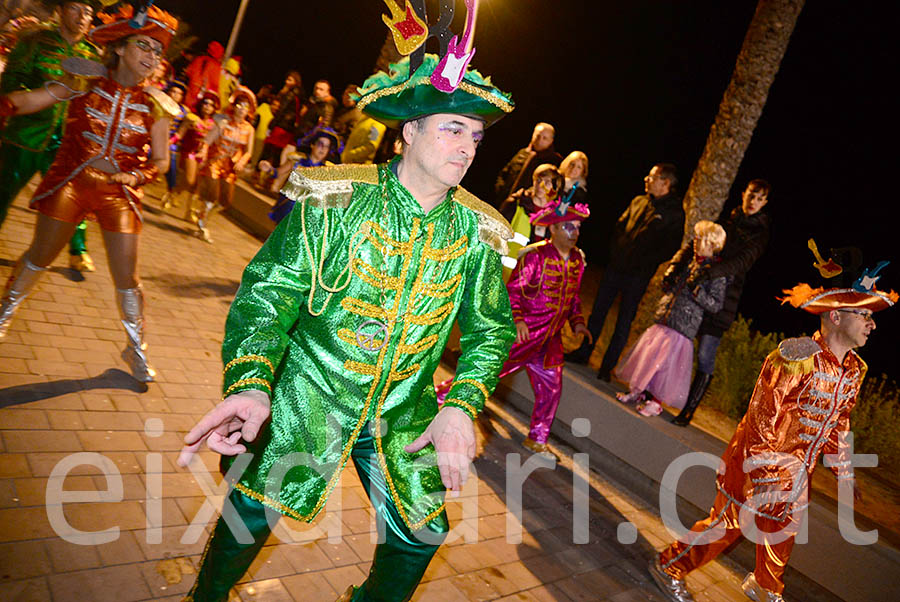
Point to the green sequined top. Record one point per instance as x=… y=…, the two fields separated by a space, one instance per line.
x=342 y=317
x=35 y=59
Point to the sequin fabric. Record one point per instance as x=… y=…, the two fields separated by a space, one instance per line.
x=353 y=302
x=543 y=290
x=110 y=122
x=800 y=408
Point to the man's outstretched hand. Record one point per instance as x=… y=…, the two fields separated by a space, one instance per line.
x=238 y=416
x=453 y=437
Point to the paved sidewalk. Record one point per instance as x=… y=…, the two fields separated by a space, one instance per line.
x=64 y=390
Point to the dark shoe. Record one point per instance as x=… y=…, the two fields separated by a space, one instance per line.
x=698 y=389
x=604 y=375
x=580 y=355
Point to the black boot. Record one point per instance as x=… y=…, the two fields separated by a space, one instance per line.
x=698 y=388
x=580 y=355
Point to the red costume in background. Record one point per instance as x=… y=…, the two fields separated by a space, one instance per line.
x=203 y=74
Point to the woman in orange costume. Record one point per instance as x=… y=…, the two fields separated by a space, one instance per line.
x=227 y=148
x=101 y=164
x=191 y=133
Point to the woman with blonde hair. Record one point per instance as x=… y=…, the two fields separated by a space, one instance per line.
x=574 y=169
x=658 y=368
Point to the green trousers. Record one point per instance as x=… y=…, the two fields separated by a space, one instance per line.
x=400 y=560
x=17 y=166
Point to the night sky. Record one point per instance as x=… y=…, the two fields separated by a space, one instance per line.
x=638 y=82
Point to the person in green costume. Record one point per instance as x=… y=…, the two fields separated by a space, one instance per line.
x=29 y=143
x=337 y=328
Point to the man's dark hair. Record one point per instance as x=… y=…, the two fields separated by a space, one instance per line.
x=668 y=172
x=759 y=184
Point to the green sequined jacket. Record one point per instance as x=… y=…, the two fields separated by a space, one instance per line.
x=34 y=60
x=342 y=317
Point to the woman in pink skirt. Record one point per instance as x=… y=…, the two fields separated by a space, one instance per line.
x=659 y=365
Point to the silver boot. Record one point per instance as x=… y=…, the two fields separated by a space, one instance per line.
x=674 y=589
x=758 y=593
x=203 y=221
x=25 y=275
x=131 y=309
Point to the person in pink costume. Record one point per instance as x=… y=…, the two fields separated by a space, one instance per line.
x=658 y=367
x=543 y=292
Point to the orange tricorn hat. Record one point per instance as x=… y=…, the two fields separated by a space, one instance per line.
x=862 y=294
x=149 y=21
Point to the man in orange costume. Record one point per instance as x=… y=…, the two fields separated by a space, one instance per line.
x=800 y=408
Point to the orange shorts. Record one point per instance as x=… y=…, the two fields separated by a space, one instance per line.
x=90 y=195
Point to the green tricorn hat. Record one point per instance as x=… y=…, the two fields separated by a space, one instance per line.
x=395 y=97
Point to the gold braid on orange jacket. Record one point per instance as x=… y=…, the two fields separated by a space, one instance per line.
x=800 y=408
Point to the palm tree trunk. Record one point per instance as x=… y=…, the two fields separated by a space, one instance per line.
x=757 y=63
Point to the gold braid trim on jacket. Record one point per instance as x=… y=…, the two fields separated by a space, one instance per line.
x=330 y=186
x=493 y=229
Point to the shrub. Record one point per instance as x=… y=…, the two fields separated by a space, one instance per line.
x=738 y=362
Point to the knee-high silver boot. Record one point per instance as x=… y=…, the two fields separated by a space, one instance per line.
x=203 y=221
x=25 y=275
x=131 y=309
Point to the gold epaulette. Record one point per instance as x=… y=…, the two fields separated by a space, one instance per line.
x=583 y=258
x=163 y=105
x=493 y=229
x=796 y=356
x=330 y=186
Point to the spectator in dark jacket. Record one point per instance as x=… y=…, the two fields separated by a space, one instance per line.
x=646 y=234
x=747 y=230
x=320 y=108
x=518 y=172
x=285 y=125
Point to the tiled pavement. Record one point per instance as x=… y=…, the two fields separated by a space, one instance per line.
x=62 y=391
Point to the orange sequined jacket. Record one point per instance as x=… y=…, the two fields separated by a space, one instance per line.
x=111 y=122
x=800 y=408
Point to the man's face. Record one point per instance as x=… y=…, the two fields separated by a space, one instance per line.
x=564 y=235
x=321 y=90
x=753 y=199
x=444 y=148
x=855 y=326
x=140 y=55
x=319 y=149
x=75 y=18
x=542 y=138
x=655 y=184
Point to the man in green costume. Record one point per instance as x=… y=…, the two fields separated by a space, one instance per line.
x=333 y=338
x=29 y=143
